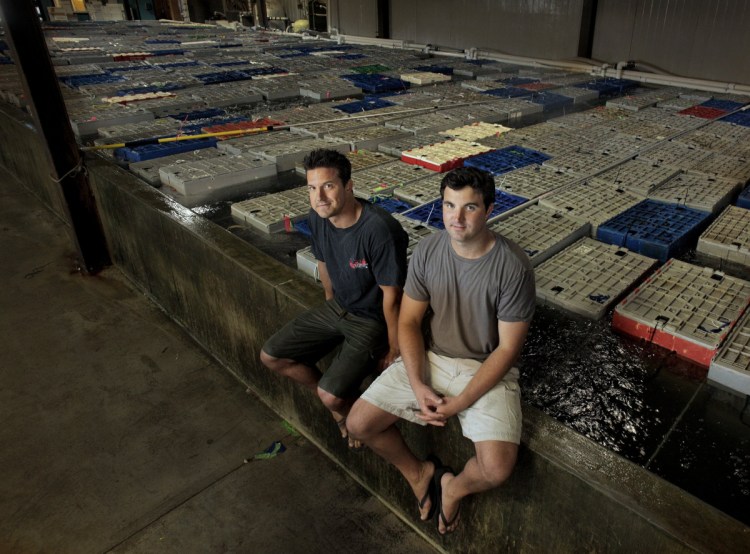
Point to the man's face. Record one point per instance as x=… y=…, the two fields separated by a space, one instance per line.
x=464 y=214
x=328 y=195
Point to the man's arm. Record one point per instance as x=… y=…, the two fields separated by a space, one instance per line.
x=413 y=351
x=490 y=373
x=325 y=279
x=391 y=303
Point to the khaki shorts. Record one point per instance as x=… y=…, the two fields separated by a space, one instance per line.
x=496 y=416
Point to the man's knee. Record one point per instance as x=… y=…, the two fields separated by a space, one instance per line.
x=269 y=361
x=496 y=470
x=363 y=421
x=331 y=401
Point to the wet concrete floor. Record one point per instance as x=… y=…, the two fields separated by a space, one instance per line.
x=120 y=434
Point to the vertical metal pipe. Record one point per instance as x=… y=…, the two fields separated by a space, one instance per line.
x=29 y=50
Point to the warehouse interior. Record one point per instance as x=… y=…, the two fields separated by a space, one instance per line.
x=618 y=137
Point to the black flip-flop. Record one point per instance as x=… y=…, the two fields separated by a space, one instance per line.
x=437 y=478
x=431 y=492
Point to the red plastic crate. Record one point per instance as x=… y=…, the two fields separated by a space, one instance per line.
x=703 y=111
x=536 y=86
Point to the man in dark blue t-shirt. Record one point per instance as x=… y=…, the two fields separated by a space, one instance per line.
x=361 y=253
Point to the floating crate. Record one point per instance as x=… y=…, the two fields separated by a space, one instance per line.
x=507 y=159
x=703 y=112
x=509 y=92
x=443 y=156
x=637 y=176
x=551 y=101
x=286 y=154
x=739 y=118
x=541 y=232
x=731 y=365
x=581 y=163
x=728 y=238
x=725 y=105
x=88 y=123
x=381 y=180
x=425 y=78
x=655 y=229
x=590 y=203
x=432 y=212
x=213 y=174
x=533 y=180
x=721 y=165
x=475 y=131
x=743 y=201
x=329 y=129
x=485 y=112
x=415 y=230
x=425 y=123
x=405 y=142
x=151 y=151
x=363 y=105
x=390 y=204
x=251 y=143
x=362 y=159
x=678 y=103
x=149 y=170
x=368 y=138
x=273 y=213
x=697 y=191
x=222 y=96
x=276 y=88
x=676 y=154
x=685 y=308
x=307 y=263
x=588 y=277
x=376 y=82
x=327 y=88
x=578 y=95
x=421 y=191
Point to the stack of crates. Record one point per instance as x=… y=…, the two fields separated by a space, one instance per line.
x=685 y=308
x=728 y=238
x=443 y=156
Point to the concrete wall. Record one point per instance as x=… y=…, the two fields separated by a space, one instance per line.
x=567 y=493
x=354 y=17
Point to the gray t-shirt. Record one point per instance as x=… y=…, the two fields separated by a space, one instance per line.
x=468 y=297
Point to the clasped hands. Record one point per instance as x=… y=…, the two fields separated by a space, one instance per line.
x=436 y=409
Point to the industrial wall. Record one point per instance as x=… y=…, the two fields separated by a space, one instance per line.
x=705 y=39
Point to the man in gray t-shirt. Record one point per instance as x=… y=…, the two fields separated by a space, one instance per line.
x=480 y=289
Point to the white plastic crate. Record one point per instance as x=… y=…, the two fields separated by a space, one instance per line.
x=327 y=88
x=133 y=131
x=588 y=277
x=533 y=180
x=702 y=192
x=367 y=138
x=251 y=143
x=420 y=191
x=277 y=88
x=286 y=154
x=541 y=232
x=87 y=121
x=580 y=163
x=686 y=308
x=331 y=128
x=148 y=170
x=477 y=113
x=475 y=131
x=424 y=78
x=731 y=365
x=423 y=124
x=675 y=154
x=589 y=202
x=270 y=213
x=307 y=263
x=398 y=146
x=637 y=176
x=728 y=238
x=212 y=174
x=725 y=166
x=382 y=179
x=443 y=156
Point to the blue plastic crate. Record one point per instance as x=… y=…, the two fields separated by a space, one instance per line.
x=151 y=151
x=655 y=229
x=391 y=205
x=223 y=77
x=550 y=100
x=726 y=105
x=609 y=86
x=376 y=82
x=743 y=201
x=200 y=114
x=303 y=227
x=363 y=105
x=76 y=81
x=442 y=69
x=509 y=92
x=739 y=118
x=506 y=159
x=432 y=212
x=176 y=64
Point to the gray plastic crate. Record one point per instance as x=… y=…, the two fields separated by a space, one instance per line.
x=702 y=192
x=580 y=163
x=637 y=176
x=579 y=95
x=221 y=96
x=725 y=166
x=731 y=365
x=591 y=203
x=277 y=88
x=421 y=191
x=250 y=143
x=728 y=238
x=398 y=146
x=331 y=128
x=533 y=180
x=367 y=138
x=327 y=88
x=213 y=174
x=588 y=277
x=149 y=170
x=425 y=124
x=677 y=103
x=381 y=180
x=415 y=230
x=541 y=232
x=269 y=213
x=287 y=154
x=686 y=308
x=475 y=113
x=675 y=154
x=622 y=145
x=133 y=131
x=87 y=122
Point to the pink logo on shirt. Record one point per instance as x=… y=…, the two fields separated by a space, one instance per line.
x=358 y=264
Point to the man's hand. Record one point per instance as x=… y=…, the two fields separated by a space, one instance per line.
x=429 y=403
x=388 y=358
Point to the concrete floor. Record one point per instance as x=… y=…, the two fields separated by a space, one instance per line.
x=120 y=434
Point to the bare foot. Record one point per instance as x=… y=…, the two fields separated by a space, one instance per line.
x=341 y=423
x=424 y=489
x=450 y=508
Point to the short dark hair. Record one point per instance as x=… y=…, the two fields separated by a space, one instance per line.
x=323 y=157
x=477 y=179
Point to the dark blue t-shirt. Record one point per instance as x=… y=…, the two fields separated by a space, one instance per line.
x=361 y=258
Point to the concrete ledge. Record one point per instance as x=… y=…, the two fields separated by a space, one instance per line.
x=567 y=494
